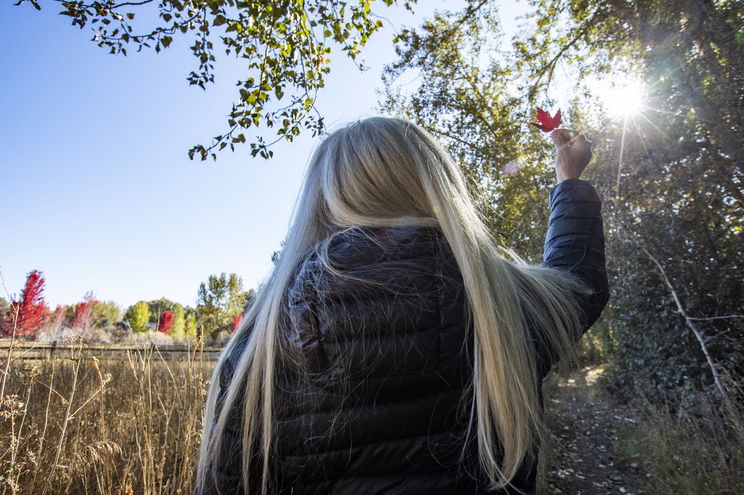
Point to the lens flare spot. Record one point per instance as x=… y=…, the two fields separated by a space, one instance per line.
x=622 y=98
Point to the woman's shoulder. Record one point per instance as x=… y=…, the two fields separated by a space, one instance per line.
x=369 y=260
x=361 y=244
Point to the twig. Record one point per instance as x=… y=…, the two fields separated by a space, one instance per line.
x=698 y=334
x=706 y=318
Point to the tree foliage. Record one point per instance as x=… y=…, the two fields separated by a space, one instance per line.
x=670 y=175
x=219 y=300
x=165 y=322
x=285 y=47
x=83 y=317
x=26 y=315
x=106 y=314
x=138 y=316
x=237 y=319
x=157 y=307
x=190 y=326
x=178 y=329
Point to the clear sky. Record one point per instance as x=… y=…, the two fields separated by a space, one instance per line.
x=96 y=188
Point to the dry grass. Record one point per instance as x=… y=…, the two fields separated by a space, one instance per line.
x=80 y=425
x=77 y=425
x=694 y=448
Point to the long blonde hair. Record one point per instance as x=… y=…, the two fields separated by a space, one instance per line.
x=384 y=172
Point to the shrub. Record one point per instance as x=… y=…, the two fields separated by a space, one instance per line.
x=165 y=323
x=25 y=316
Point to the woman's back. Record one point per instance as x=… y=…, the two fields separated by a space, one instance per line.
x=374 y=391
x=394 y=348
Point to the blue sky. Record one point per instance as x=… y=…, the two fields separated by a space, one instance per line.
x=96 y=188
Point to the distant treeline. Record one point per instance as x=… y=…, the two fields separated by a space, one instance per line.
x=221 y=303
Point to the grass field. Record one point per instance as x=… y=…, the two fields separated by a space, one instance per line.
x=76 y=424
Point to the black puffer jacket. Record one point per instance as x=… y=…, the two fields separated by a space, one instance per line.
x=378 y=412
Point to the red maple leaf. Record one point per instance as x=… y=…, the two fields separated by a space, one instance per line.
x=547 y=123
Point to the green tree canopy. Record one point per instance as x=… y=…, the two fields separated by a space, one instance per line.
x=190 y=327
x=106 y=313
x=138 y=316
x=285 y=46
x=157 y=307
x=219 y=300
x=178 y=329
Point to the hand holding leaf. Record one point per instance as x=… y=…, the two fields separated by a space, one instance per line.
x=573 y=152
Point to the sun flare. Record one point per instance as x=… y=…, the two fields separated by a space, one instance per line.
x=622 y=98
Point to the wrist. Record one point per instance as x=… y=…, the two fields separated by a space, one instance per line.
x=565 y=177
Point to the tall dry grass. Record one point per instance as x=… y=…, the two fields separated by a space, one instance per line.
x=82 y=425
x=693 y=446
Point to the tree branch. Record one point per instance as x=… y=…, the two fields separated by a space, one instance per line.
x=696 y=331
x=707 y=318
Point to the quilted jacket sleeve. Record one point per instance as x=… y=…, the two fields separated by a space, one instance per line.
x=575 y=242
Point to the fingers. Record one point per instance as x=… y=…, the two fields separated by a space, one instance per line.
x=561 y=137
x=579 y=140
x=568 y=137
x=565 y=136
x=576 y=136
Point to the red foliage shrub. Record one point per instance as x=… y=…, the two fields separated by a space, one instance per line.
x=166 y=322
x=83 y=316
x=59 y=317
x=29 y=313
x=236 y=322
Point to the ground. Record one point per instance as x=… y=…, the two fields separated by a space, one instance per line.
x=586 y=421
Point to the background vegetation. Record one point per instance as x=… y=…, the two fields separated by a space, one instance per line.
x=669 y=170
x=221 y=302
x=670 y=174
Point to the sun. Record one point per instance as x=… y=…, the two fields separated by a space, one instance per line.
x=621 y=97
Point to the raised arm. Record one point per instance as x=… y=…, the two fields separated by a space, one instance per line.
x=575 y=242
x=575 y=238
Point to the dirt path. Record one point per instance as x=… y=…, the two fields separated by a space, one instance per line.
x=585 y=421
